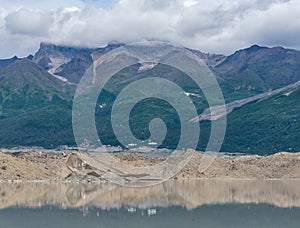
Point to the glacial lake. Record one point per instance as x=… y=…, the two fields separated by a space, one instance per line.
x=198 y=203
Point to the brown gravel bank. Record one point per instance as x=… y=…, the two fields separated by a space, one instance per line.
x=75 y=166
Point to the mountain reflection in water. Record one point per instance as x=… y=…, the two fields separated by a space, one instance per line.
x=198 y=203
x=189 y=194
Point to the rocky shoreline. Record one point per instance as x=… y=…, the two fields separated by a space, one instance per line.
x=74 y=166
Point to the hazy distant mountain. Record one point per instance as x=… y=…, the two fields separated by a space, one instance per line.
x=5 y=62
x=36 y=97
x=66 y=63
x=70 y=63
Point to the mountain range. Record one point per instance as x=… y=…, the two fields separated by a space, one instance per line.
x=260 y=87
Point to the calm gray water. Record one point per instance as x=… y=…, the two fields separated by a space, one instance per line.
x=228 y=215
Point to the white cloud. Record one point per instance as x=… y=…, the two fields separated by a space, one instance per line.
x=190 y=3
x=221 y=26
x=28 y=22
x=279 y=24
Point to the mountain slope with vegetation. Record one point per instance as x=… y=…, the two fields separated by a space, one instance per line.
x=36 y=98
x=265 y=126
x=25 y=87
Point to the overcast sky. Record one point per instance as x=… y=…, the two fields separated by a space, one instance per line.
x=214 y=26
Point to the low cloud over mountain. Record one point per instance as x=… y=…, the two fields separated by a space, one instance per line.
x=220 y=27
